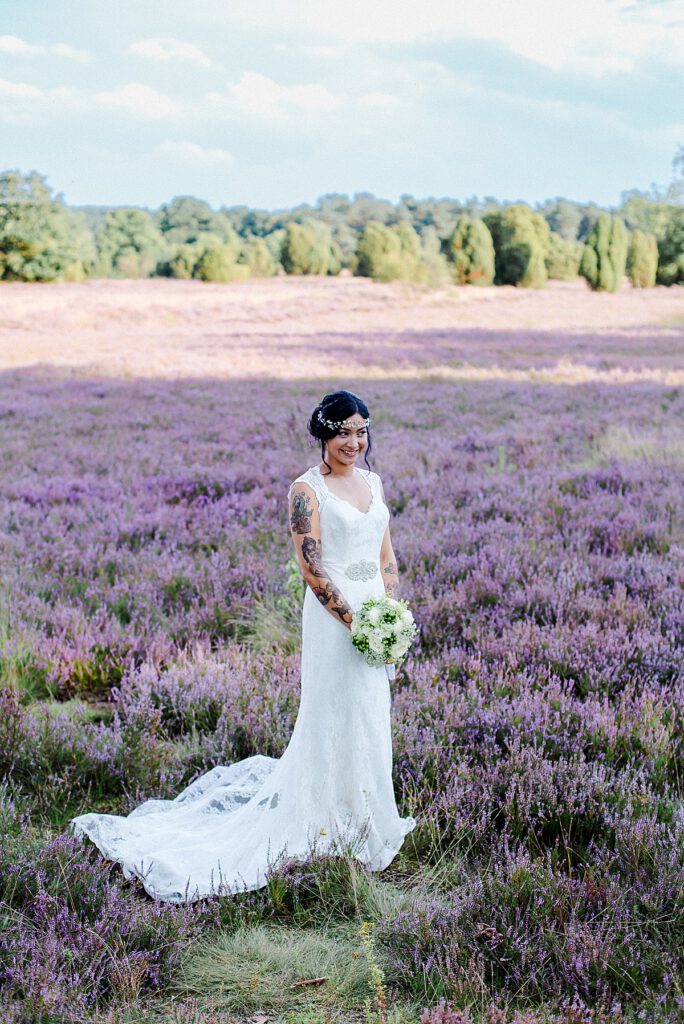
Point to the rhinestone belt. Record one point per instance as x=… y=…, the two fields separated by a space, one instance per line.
x=362 y=570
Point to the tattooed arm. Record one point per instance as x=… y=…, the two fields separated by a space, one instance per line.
x=305 y=528
x=388 y=562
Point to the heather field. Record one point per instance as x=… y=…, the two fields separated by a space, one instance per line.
x=531 y=445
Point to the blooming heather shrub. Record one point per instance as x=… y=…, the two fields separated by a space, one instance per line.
x=73 y=938
x=523 y=927
x=442 y=1013
x=229 y=706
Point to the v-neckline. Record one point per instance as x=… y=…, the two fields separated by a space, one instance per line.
x=344 y=500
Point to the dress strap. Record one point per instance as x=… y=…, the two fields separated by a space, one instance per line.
x=313 y=478
x=373 y=480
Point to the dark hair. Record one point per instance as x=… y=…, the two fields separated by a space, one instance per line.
x=338 y=406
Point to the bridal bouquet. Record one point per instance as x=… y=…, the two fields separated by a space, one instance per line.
x=382 y=630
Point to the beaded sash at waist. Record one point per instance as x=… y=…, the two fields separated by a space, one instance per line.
x=363 y=570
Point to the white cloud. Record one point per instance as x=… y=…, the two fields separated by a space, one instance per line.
x=169 y=49
x=25 y=101
x=379 y=99
x=14 y=46
x=191 y=152
x=29 y=100
x=139 y=100
x=20 y=90
x=260 y=96
x=595 y=37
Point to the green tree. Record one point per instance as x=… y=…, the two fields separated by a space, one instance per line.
x=562 y=258
x=564 y=218
x=218 y=263
x=256 y=255
x=437 y=269
x=327 y=244
x=390 y=253
x=642 y=259
x=184 y=261
x=470 y=251
x=521 y=240
x=303 y=251
x=605 y=254
x=129 y=244
x=671 y=252
x=41 y=239
x=378 y=249
x=186 y=220
x=412 y=266
x=275 y=241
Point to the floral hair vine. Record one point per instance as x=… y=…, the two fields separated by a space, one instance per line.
x=334 y=424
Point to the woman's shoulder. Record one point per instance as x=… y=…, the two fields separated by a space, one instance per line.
x=309 y=478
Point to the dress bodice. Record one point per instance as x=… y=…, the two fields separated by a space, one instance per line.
x=350 y=539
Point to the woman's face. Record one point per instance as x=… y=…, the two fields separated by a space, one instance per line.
x=349 y=442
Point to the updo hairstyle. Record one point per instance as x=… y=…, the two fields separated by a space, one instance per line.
x=338 y=406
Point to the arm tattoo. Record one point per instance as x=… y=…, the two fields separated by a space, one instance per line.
x=313 y=555
x=391 y=574
x=300 y=517
x=328 y=592
x=325 y=590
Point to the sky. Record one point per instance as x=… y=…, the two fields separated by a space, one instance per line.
x=272 y=103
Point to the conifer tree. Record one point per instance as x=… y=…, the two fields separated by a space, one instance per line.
x=302 y=252
x=605 y=254
x=521 y=240
x=671 y=252
x=642 y=259
x=470 y=251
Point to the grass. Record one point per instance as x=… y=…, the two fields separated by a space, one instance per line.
x=627 y=443
x=261 y=967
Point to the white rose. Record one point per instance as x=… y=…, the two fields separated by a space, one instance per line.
x=375 y=643
x=397 y=651
x=374 y=615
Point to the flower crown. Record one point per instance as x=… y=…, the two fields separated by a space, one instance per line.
x=335 y=424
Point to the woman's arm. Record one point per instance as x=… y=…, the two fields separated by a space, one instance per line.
x=305 y=527
x=388 y=562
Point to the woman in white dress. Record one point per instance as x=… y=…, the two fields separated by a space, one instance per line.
x=331 y=790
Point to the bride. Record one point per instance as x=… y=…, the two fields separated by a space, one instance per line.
x=331 y=790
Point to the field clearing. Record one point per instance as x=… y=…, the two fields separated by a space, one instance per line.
x=531 y=446
x=305 y=328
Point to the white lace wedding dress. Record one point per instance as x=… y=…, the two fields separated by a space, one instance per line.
x=331 y=790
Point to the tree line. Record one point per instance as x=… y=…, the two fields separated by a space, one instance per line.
x=427 y=241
